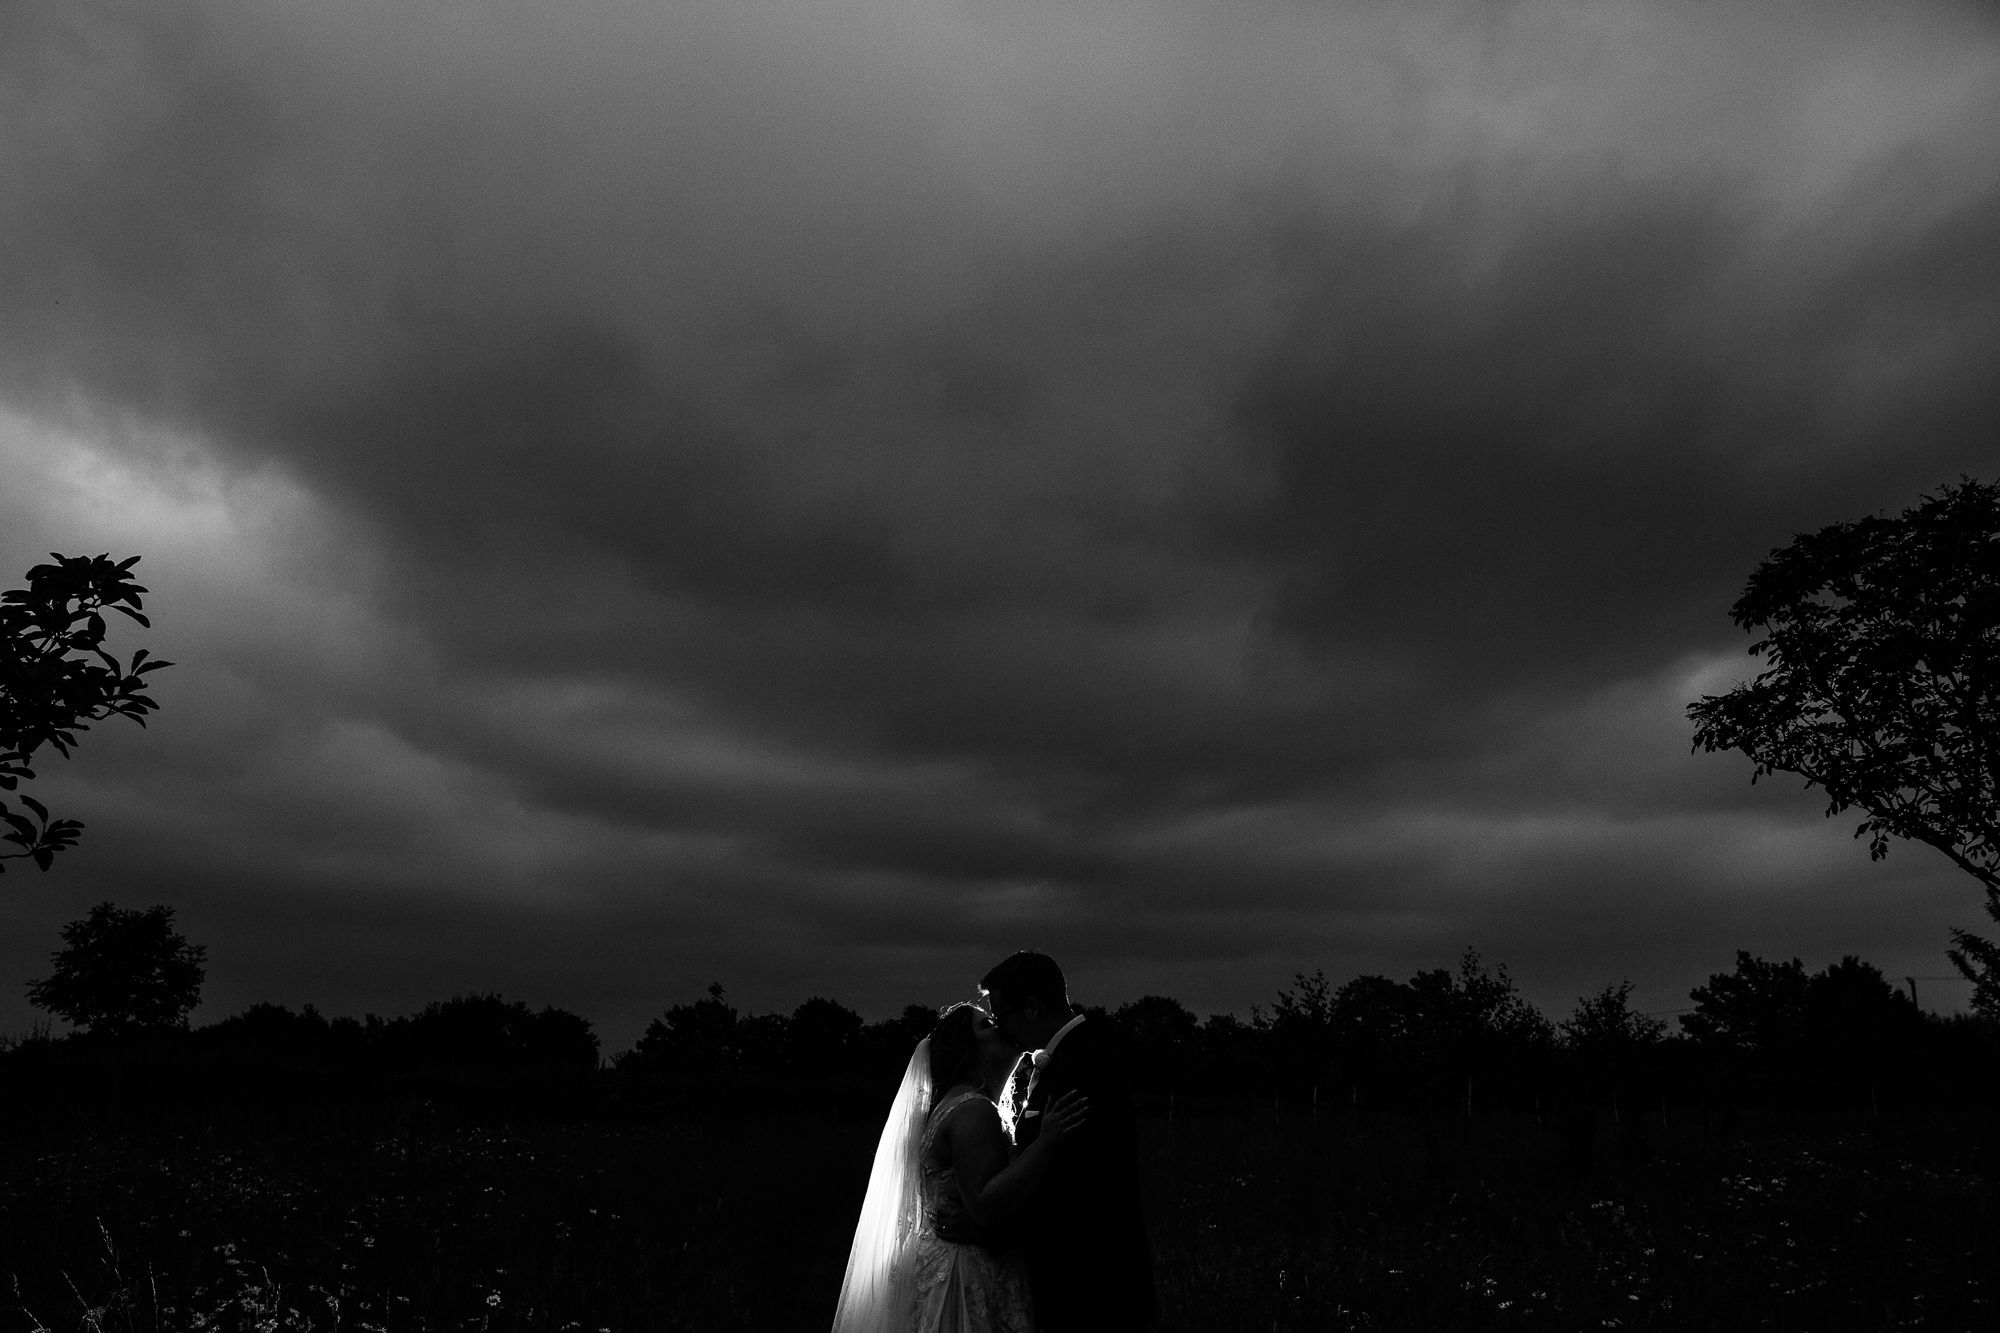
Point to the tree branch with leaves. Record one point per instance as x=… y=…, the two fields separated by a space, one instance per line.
x=1883 y=689
x=57 y=677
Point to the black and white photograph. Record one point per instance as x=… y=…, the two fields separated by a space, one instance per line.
x=1036 y=666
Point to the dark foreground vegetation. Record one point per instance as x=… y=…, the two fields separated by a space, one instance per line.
x=426 y=1220
x=1809 y=1152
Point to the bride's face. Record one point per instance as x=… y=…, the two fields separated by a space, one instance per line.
x=993 y=1044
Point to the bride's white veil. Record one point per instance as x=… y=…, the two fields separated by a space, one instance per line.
x=877 y=1294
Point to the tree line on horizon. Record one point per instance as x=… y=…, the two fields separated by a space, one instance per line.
x=1766 y=1032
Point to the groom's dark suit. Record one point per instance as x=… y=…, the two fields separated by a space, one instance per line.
x=1088 y=1258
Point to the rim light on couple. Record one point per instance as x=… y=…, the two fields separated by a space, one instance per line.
x=1004 y=1194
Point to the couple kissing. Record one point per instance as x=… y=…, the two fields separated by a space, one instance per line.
x=1004 y=1196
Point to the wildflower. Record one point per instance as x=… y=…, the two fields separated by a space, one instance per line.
x=493 y=1301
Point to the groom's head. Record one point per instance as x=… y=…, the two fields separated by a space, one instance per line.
x=1028 y=998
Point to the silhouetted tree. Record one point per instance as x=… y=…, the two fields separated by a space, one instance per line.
x=268 y=1054
x=1842 y=1026
x=1157 y=1024
x=483 y=1039
x=1857 y=1025
x=1884 y=685
x=764 y=1045
x=823 y=1036
x=561 y=1042
x=1609 y=1043
x=1162 y=1038
x=1223 y=1034
x=1978 y=961
x=1757 y=1010
x=122 y=971
x=1605 y=1025
x=698 y=1038
x=271 y=1027
x=1232 y=1053
x=56 y=678
x=1372 y=1023
x=1474 y=1027
x=1883 y=637
x=886 y=1046
x=1300 y=1027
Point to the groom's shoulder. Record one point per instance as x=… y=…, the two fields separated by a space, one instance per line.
x=1102 y=1062
x=1100 y=1038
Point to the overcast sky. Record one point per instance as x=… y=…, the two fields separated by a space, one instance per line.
x=818 y=494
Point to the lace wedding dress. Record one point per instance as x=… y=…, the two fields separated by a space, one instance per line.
x=962 y=1288
x=902 y=1276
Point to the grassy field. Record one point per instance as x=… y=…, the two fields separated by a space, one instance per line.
x=1259 y=1222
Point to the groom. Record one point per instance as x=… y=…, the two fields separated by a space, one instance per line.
x=1088 y=1259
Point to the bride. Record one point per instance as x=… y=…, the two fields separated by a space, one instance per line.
x=929 y=1254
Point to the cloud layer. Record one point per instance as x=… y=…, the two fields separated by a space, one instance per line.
x=816 y=495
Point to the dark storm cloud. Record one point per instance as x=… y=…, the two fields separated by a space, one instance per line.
x=1214 y=485
x=1610 y=416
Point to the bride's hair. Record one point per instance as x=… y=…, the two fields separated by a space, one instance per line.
x=955 y=1046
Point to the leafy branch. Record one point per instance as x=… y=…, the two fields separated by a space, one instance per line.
x=1881 y=637
x=56 y=678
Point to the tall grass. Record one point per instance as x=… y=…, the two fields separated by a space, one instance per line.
x=1259 y=1221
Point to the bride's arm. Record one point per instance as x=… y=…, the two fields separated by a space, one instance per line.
x=994 y=1189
